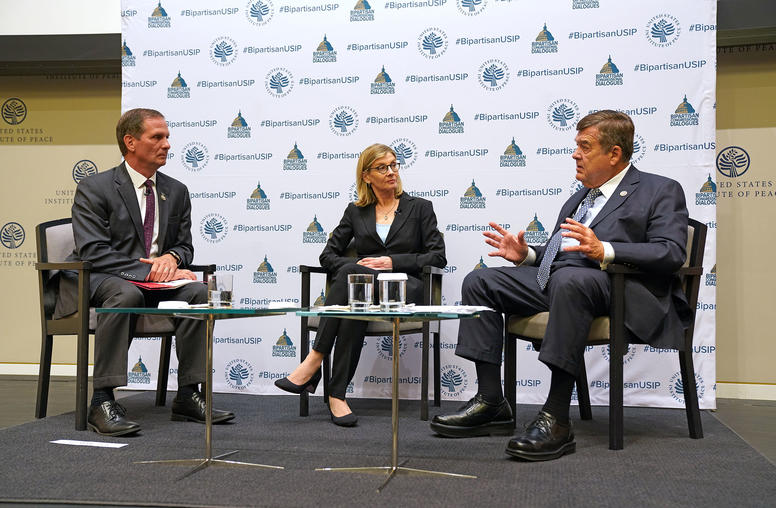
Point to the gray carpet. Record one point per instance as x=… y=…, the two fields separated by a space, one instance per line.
x=660 y=465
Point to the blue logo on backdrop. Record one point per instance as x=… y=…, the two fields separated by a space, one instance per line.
x=676 y=387
x=362 y=12
x=471 y=7
x=663 y=30
x=733 y=161
x=432 y=42
x=259 y=12
x=563 y=114
x=383 y=84
x=584 y=4
x=325 y=52
x=610 y=75
x=684 y=115
x=82 y=169
x=385 y=347
x=707 y=194
x=213 y=227
x=513 y=156
x=223 y=51
x=178 y=89
x=314 y=232
x=535 y=233
x=265 y=274
x=451 y=123
x=159 y=18
x=239 y=128
x=630 y=352
x=279 y=82
x=14 y=111
x=284 y=347
x=493 y=75
x=12 y=235
x=480 y=265
x=258 y=199
x=454 y=380
x=195 y=156
x=343 y=121
x=576 y=186
x=545 y=42
x=406 y=152
x=639 y=148
x=127 y=58
x=139 y=373
x=295 y=160
x=711 y=277
x=472 y=198
x=239 y=374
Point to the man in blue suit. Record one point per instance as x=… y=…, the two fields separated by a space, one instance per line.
x=620 y=215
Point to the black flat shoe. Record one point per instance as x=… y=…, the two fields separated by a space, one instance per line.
x=109 y=419
x=477 y=417
x=311 y=385
x=193 y=410
x=543 y=439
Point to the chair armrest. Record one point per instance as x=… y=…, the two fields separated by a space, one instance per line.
x=311 y=269
x=433 y=270
x=616 y=268
x=691 y=270
x=69 y=265
x=207 y=269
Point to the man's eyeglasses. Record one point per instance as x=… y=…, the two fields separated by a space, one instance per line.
x=383 y=169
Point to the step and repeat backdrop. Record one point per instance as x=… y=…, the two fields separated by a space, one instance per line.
x=270 y=102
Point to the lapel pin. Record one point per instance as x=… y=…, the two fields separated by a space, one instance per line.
x=162 y=196
x=622 y=193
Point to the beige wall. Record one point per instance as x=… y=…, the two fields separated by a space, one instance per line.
x=746 y=107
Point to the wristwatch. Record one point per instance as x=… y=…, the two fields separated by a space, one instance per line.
x=175 y=255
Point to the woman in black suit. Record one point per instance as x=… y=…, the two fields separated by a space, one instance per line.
x=391 y=231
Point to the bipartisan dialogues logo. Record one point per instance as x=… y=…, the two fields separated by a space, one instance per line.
x=258 y=199
x=545 y=42
x=343 y=121
x=451 y=123
x=471 y=7
x=159 y=18
x=362 y=12
x=563 y=114
x=711 y=277
x=707 y=194
x=213 y=227
x=493 y=75
x=314 y=232
x=279 y=82
x=139 y=373
x=472 y=198
x=432 y=42
x=259 y=12
x=684 y=115
x=610 y=75
x=238 y=374
x=325 y=52
x=127 y=58
x=535 y=233
x=513 y=157
x=194 y=156
x=284 y=347
x=295 y=161
x=178 y=89
x=82 y=169
x=265 y=274
x=239 y=128
x=383 y=84
x=406 y=152
x=662 y=30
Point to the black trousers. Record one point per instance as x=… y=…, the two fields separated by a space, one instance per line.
x=574 y=296
x=348 y=334
x=113 y=333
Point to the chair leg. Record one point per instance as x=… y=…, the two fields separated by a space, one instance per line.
x=510 y=373
x=690 y=395
x=437 y=372
x=81 y=380
x=304 y=397
x=164 y=370
x=583 y=395
x=615 y=398
x=44 y=376
x=424 y=374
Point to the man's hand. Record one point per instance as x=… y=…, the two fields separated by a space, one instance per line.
x=381 y=263
x=184 y=274
x=509 y=246
x=589 y=244
x=163 y=269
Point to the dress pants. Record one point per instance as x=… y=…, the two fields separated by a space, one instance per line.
x=574 y=296
x=113 y=333
x=349 y=333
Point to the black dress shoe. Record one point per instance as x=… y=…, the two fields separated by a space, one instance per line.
x=348 y=420
x=543 y=439
x=311 y=384
x=476 y=418
x=193 y=409
x=109 y=419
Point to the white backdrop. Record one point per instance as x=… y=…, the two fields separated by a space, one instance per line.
x=269 y=103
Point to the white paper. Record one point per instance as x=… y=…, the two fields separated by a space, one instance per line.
x=97 y=444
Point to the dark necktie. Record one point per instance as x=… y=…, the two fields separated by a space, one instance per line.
x=543 y=274
x=150 y=214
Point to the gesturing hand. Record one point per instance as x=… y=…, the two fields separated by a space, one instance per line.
x=509 y=246
x=589 y=244
x=163 y=268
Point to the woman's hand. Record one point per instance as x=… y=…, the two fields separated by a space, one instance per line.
x=381 y=263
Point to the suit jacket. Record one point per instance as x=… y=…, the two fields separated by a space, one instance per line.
x=645 y=220
x=108 y=229
x=413 y=240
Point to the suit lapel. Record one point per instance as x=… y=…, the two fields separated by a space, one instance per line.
x=570 y=206
x=163 y=209
x=128 y=194
x=368 y=223
x=621 y=194
x=404 y=211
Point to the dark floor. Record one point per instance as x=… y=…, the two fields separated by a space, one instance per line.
x=752 y=420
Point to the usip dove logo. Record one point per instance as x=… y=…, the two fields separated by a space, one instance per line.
x=471 y=7
x=12 y=235
x=733 y=161
x=406 y=152
x=213 y=227
x=343 y=121
x=238 y=374
x=194 y=156
x=676 y=387
x=563 y=114
x=432 y=42
x=223 y=51
x=259 y=12
x=279 y=82
x=82 y=169
x=630 y=353
x=454 y=380
x=493 y=75
x=385 y=347
x=639 y=149
x=662 y=30
x=14 y=111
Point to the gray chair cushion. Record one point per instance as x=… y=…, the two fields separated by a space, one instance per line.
x=146 y=324
x=533 y=327
x=376 y=327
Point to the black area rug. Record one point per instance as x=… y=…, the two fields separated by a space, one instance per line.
x=660 y=465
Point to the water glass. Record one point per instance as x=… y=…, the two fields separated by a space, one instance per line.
x=393 y=291
x=360 y=291
x=219 y=290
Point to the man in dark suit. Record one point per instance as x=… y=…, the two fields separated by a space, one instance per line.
x=134 y=224
x=621 y=215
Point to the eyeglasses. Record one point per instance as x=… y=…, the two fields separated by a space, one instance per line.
x=383 y=169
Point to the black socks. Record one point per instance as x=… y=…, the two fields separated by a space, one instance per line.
x=489 y=380
x=101 y=395
x=559 y=398
x=185 y=392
